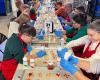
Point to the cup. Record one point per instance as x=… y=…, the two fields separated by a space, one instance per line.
x=32 y=63
x=25 y=62
x=50 y=66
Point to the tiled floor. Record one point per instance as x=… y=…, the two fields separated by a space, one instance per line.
x=4 y=21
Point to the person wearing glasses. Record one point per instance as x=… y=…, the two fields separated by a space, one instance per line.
x=79 y=28
x=15 y=49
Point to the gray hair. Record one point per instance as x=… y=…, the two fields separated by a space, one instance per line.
x=95 y=25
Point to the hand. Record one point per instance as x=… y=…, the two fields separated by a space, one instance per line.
x=68 y=56
x=29 y=48
x=40 y=34
x=40 y=37
x=67 y=27
x=58 y=33
x=73 y=59
x=62 y=52
x=68 y=66
x=41 y=53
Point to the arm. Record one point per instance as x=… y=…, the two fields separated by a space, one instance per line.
x=67 y=66
x=78 y=42
x=59 y=11
x=83 y=63
x=79 y=76
x=91 y=65
x=82 y=32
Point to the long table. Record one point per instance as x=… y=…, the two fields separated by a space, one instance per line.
x=40 y=71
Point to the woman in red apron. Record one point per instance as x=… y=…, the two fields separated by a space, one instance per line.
x=87 y=54
x=90 y=60
x=15 y=49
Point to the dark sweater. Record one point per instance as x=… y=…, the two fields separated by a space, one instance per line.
x=14 y=49
x=79 y=33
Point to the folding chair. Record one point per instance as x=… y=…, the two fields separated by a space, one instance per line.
x=2 y=38
x=2 y=45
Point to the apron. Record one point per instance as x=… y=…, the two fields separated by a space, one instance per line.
x=8 y=67
x=86 y=54
x=78 y=50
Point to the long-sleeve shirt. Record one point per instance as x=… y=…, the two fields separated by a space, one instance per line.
x=60 y=12
x=14 y=49
x=82 y=32
x=95 y=58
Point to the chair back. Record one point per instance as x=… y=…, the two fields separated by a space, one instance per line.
x=2 y=38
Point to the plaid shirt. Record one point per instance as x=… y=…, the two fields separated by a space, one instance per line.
x=60 y=12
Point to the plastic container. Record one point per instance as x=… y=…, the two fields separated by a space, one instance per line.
x=50 y=66
x=32 y=63
x=68 y=54
x=25 y=62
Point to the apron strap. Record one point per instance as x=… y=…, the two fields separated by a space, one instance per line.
x=88 y=46
x=97 y=46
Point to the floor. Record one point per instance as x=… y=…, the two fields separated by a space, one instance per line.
x=4 y=21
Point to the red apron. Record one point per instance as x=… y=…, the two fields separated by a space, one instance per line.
x=8 y=67
x=78 y=50
x=88 y=53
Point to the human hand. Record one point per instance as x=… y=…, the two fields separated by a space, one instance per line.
x=73 y=59
x=61 y=52
x=58 y=33
x=68 y=56
x=41 y=53
x=29 y=48
x=68 y=66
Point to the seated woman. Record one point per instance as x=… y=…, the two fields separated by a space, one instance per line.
x=91 y=53
x=79 y=28
x=15 y=49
